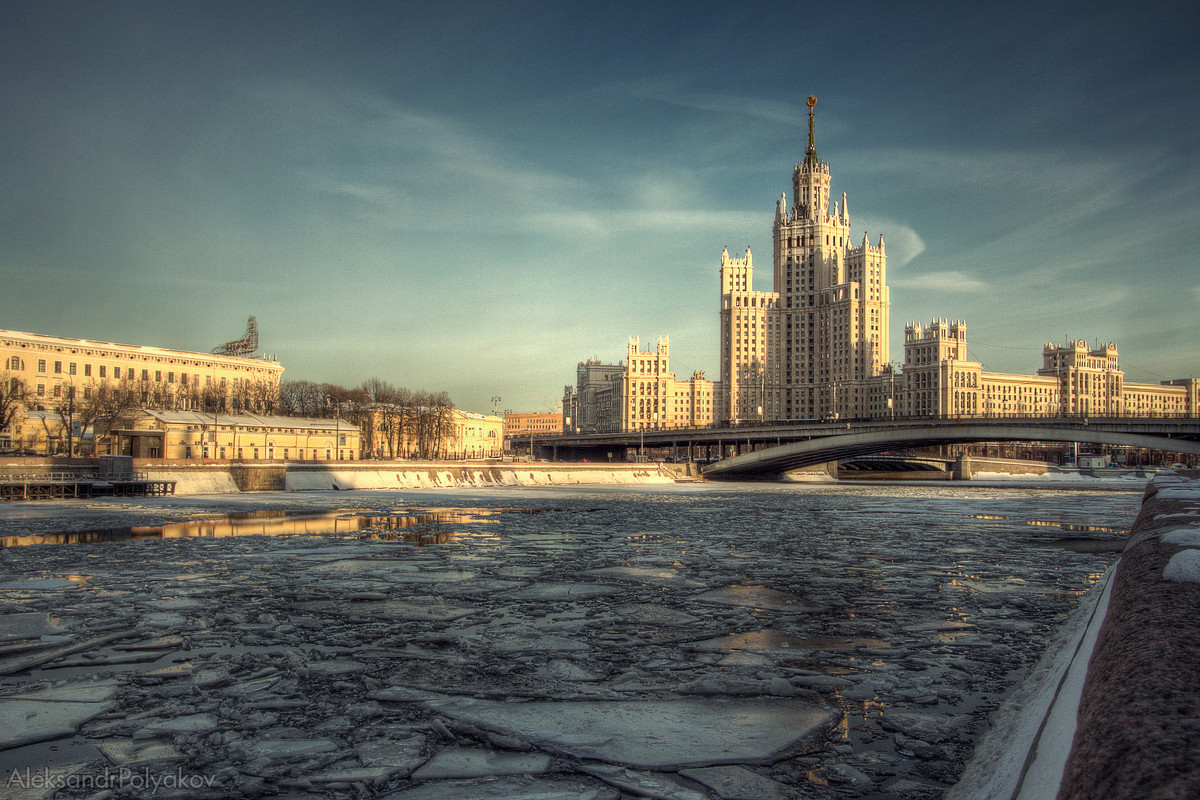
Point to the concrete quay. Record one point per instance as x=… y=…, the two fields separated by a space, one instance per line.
x=1113 y=710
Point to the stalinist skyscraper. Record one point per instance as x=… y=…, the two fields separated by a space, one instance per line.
x=809 y=349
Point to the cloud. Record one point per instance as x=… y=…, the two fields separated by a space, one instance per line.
x=950 y=281
x=667 y=90
x=902 y=242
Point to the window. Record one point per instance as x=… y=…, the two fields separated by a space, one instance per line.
x=117 y=372
x=145 y=374
x=41 y=365
x=71 y=368
x=103 y=370
x=58 y=368
x=87 y=370
x=41 y=390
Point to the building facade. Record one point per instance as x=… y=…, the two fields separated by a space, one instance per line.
x=518 y=425
x=81 y=378
x=243 y=437
x=938 y=380
x=638 y=394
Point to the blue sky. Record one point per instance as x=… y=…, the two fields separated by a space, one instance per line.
x=473 y=197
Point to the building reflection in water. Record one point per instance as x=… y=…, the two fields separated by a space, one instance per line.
x=409 y=525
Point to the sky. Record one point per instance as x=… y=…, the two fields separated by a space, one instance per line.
x=473 y=197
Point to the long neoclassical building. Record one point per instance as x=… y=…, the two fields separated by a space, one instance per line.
x=54 y=369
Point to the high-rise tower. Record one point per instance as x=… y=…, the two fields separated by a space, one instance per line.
x=833 y=299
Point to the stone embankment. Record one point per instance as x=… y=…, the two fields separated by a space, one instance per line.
x=219 y=478
x=1113 y=711
x=1138 y=734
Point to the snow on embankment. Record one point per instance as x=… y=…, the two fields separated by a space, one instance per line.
x=435 y=476
x=198 y=481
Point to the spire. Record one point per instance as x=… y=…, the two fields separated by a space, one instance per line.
x=811 y=156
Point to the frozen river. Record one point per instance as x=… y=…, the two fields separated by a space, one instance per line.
x=681 y=641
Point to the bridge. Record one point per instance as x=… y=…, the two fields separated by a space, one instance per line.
x=764 y=450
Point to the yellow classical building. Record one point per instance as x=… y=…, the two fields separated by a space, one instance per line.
x=242 y=437
x=1075 y=380
x=475 y=435
x=52 y=370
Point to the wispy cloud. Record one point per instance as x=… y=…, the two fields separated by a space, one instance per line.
x=949 y=282
x=670 y=91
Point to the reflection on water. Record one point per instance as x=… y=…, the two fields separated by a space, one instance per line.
x=1046 y=523
x=407 y=525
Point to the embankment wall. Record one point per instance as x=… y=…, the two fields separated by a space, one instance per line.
x=1138 y=733
x=224 y=477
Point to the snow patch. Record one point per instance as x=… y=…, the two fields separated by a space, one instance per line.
x=1184 y=567
x=1184 y=537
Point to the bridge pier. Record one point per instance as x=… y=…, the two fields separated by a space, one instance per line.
x=962 y=468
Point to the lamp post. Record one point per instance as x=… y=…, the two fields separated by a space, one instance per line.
x=337 y=429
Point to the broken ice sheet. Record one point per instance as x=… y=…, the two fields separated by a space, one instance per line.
x=52 y=713
x=738 y=783
x=764 y=640
x=652 y=614
x=643 y=784
x=565 y=591
x=510 y=788
x=757 y=597
x=128 y=753
x=649 y=733
x=470 y=762
x=657 y=577
x=420 y=608
x=28 y=625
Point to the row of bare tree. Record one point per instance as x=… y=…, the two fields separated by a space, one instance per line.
x=395 y=422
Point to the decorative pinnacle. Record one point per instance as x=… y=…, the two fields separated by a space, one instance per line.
x=812 y=131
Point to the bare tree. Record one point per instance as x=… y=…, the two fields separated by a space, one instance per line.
x=105 y=406
x=12 y=394
x=301 y=399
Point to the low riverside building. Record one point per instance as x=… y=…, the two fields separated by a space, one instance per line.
x=246 y=437
x=524 y=424
x=519 y=426
x=638 y=394
x=475 y=435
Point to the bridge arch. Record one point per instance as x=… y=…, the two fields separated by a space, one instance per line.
x=781 y=458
